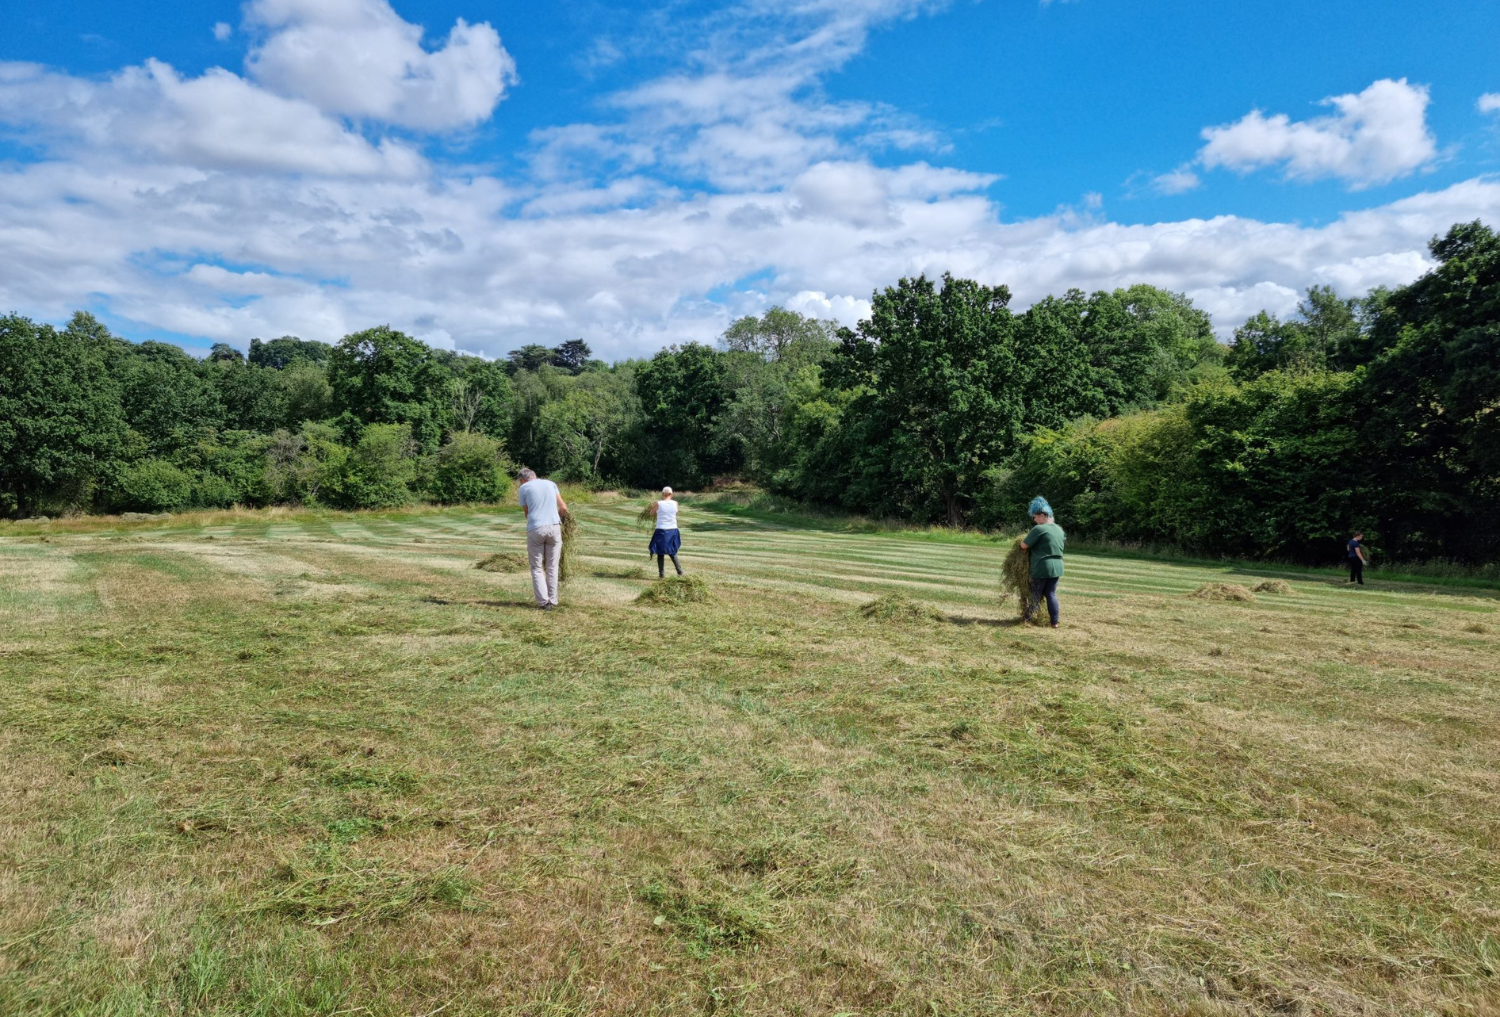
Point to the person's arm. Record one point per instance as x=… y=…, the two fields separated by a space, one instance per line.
x=1360 y=550
x=562 y=506
x=654 y=506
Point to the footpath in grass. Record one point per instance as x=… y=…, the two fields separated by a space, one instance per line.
x=308 y=763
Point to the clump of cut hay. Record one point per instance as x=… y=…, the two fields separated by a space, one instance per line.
x=898 y=608
x=632 y=572
x=644 y=516
x=1015 y=580
x=1477 y=628
x=505 y=561
x=675 y=590
x=1280 y=586
x=567 y=563
x=1224 y=591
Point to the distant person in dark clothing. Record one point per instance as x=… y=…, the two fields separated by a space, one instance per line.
x=1357 y=559
x=1045 y=542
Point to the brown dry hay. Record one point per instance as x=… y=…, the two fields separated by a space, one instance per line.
x=503 y=561
x=1273 y=586
x=1223 y=592
x=567 y=562
x=898 y=608
x=1015 y=580
x=675 y=590
x=644 y=516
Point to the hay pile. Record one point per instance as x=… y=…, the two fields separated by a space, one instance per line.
x=567 y=563
x=675 y=590
x=899 y=609
x=504 y=562
x=1224 y=592
x=630 y=572
x=1280 y=586
x=1015 y=580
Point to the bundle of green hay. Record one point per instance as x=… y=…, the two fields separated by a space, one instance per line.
x=899 y=609
x=675 y=590
x=644 y=516
x=567 y=562
x=1280 y=586
x=1015 y=580
x=503 y=562
x=1224 y=591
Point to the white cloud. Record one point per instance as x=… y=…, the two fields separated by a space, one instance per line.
x=1373 y=137
x=1178 y=181
x=216 y=121
x=156 y=191
x=358 y=58
x=1489 y=102
x=222 y=30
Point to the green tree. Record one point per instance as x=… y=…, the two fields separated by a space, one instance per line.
x=572 y=356
x=279 y=354
x=61 y=424
x=780 y=334
x=947 y=398
x=531 y=357
x=381 y=376
x=682 y=393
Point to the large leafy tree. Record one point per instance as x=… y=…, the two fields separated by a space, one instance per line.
x=282 y=353
x=947 y=397
x=1430 y=402
x=382 y=376
x=61 y=426
x=682 y=395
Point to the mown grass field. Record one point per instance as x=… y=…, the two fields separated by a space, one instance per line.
x=296 y=763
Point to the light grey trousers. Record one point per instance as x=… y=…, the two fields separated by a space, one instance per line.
x=544 y=549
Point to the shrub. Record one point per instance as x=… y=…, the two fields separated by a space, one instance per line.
x=380 y=468
x=153 y=486
x=471 y=467
x=213 y=491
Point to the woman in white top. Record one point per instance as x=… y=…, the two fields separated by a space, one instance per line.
x=666 y=539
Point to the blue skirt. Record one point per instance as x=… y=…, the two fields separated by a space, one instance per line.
x=667 y=542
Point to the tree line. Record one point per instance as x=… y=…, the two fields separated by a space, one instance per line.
x=944 y=405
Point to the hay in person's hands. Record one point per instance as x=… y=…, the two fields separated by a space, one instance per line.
x=1015 y=579
x=644 y=516
x=567 y=561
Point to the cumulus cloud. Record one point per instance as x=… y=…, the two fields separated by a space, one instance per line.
x=225 y=207
x=215 y=121
x=1372 y=137
x=359 y=58
x=1489 y=102
x=222 y=30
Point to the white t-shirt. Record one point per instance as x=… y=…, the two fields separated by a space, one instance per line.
x=540 y=499
x=666 y=514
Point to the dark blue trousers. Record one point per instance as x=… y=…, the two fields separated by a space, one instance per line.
x=1045 y=588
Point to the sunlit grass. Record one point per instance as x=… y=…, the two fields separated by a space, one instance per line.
x=318 y=763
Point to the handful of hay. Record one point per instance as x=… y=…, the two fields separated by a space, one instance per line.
x=1273 y=586
x=567 y=562
x=675 y=590
x=1224 y=592
x=898 y=608
x=503 y=562
x=644 y=516
x=1015 y=579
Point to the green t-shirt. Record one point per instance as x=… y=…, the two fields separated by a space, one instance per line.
x=1046 y=544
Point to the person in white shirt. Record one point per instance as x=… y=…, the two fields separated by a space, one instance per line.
x=666 y=539
x=544 y=507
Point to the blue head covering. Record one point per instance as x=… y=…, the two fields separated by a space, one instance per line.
x=1039 y=504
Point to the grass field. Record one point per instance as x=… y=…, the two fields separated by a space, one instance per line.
x=297 y=763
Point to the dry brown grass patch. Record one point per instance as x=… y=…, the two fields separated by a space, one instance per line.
x=1226 y=592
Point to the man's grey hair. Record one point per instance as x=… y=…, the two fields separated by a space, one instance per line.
x=527 y=473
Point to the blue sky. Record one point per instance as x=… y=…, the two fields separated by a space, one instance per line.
x=486 y=175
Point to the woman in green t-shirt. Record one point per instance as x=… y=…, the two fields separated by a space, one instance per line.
x=1045 y=542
